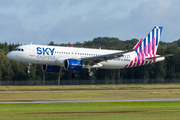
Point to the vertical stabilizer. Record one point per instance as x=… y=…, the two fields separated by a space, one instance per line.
x=149 y=44
x=147 y=47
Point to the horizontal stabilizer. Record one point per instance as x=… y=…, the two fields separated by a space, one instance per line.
x=149 y=58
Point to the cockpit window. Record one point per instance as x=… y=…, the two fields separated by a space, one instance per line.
x=18 y=49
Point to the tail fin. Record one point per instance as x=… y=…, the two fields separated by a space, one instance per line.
x=149 y=45
x=146 y=47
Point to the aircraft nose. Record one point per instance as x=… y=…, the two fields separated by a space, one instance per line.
x=9 y=55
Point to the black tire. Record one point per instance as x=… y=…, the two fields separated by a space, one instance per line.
x=74 y=75
x=89 y=74
x=27 y=71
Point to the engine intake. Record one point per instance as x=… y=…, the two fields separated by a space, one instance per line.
x=72 y=64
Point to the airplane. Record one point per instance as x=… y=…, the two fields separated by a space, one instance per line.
x=76 y=59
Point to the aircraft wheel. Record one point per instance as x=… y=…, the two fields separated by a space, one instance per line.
x=74 y=75
x=27 y=71
x=89 y=74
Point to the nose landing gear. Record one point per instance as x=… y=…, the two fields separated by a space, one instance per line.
x=28 y=70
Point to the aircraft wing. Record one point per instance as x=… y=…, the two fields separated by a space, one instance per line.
x=97 y=59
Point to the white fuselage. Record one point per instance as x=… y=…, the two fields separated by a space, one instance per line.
x=55 y=55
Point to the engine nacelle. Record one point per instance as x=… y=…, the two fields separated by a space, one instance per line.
x=50 y=68
x=72 y=64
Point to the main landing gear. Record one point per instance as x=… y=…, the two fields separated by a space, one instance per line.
x=74 y=75
x=88 y=74
x=28 y=70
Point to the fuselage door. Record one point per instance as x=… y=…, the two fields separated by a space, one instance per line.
x=32 y=51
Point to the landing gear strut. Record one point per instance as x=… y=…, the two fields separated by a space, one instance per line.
x=89 y=73
x=28 y=70
x=74 y=75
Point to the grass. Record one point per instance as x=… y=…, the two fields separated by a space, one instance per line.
x=96 y=111
x=88 y=95
x=88 y=92
x=91 y=87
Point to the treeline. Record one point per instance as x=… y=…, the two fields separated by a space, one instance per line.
x=168 y=69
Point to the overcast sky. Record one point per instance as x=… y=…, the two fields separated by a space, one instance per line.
x=64 y=21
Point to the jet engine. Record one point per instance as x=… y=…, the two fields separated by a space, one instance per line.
x=72 y=64
x=50 y=68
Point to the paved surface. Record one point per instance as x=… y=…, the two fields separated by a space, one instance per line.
x=84 y=101
x=86 y=90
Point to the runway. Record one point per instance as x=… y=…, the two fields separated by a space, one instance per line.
x=87 y=101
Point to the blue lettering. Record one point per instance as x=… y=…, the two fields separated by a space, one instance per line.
x=52 y=51
x=45 y=57
x=116 y=59
x=45 y=51
x=126 y=59
x=39 y=51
